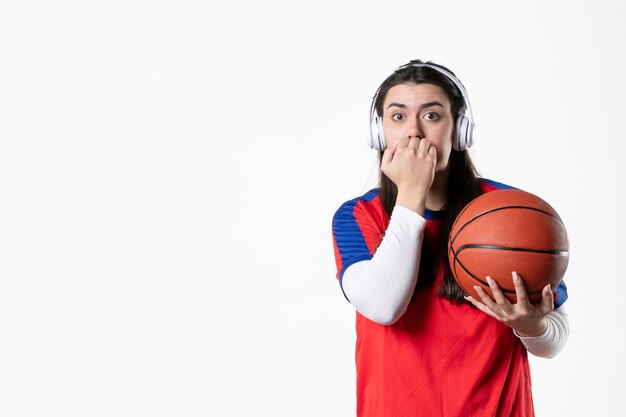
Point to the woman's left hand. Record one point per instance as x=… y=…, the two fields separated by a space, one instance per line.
x=525 y=318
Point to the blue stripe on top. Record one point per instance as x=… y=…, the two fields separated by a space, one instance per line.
x=433 y=214
x=561 y=294
x=348 y=237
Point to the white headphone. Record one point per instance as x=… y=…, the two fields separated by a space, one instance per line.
x=464 y=123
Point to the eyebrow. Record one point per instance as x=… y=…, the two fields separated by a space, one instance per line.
x=423 y=106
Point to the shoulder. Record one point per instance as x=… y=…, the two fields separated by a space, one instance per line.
x=363 y=215
x=358 y=227
x=370 y=199
x=367 y=197
x=487 y=185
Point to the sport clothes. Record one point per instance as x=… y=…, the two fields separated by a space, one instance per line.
x=382 y=300
x=438 y=359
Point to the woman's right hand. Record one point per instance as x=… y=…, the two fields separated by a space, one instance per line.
x=410 y=164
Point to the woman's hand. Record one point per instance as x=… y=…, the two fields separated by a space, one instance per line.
x=525 y=318
x=410 y=164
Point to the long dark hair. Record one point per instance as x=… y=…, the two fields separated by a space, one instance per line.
x=463 y=183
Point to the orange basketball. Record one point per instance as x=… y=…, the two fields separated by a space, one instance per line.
x=504 y=231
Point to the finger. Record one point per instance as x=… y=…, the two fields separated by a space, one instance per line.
x=485 y=298
x=497 y=292
x=547 y=300
x=481 y=307
x=432 y=151
x=414 y=142
x=403 y=143
x=423 y=146
x=388 y=154
x=520 y=289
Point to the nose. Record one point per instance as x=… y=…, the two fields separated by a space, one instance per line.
x=415 y=129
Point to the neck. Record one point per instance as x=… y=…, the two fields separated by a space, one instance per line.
x=436 y=198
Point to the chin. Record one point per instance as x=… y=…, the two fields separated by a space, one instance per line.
x=441 y=167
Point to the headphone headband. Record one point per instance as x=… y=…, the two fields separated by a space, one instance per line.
x=464 y=123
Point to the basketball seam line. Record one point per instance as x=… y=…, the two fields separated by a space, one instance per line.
x=498 y=209
x=547 y=252
x=478 y=279
x=456 y=260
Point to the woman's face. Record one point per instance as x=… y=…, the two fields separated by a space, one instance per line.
x=421 y=110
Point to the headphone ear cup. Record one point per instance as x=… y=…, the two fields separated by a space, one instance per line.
x=377 y=135
x=464 y=133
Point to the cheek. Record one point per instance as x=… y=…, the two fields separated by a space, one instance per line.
x=443 y=152
x=391 y=132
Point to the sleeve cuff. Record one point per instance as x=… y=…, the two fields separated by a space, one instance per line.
x=404 y=214
x=540 y=338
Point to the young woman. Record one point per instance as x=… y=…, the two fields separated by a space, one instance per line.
x=423 y=348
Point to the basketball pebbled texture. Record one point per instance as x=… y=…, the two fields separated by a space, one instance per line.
x=504 y=231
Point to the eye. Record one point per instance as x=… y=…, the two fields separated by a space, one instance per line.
x=432 y=116
x=398 y=117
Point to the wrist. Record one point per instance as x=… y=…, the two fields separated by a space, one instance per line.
x=414 y=201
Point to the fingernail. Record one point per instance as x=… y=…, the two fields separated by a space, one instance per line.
x=515 y=276
x=489 y=281
x=549 y=287
x=477 y=288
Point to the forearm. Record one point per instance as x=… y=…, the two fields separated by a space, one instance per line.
x=381 y=288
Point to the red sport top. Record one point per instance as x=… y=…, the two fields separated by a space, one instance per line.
x=438 y=359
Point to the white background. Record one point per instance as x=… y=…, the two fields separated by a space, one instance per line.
x=169 y=172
